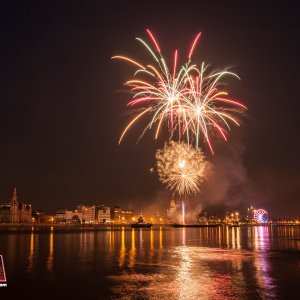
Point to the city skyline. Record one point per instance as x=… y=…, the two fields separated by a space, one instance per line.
x=63 y=105
x=17 y=212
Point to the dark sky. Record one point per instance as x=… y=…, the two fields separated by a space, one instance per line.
x=63 y=109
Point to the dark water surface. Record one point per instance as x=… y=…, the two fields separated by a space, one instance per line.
x=161 y=263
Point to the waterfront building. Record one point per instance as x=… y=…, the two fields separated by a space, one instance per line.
x=250 y=214
x=39 y=216
x=60 y=216
x=5 y=213
x=116 y=214
x=75 y=216
x=88 y=213
x=103 y=214
x=14 y=211
x=127 y=216
x=120 y=216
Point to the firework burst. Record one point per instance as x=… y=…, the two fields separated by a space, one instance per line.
x=208 y=106
x=160 y=91
x=181 y=168
x=188 y=99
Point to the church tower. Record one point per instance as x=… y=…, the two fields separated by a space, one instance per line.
x=14 y=208
x=172 y=204
x=172 y=211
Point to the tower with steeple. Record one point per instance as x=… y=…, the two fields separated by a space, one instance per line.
x=15 y=213
x=172 y=210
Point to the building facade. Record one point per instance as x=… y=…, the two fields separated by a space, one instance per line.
x=88 y=213
x=73 y=217
x=60 y=216
x=250 y=215
x=117 y=214
x=103 y=214
x=127 y=216
x=14 y=211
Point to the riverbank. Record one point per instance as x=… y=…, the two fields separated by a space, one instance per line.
x=41 y=227
x=58 y=227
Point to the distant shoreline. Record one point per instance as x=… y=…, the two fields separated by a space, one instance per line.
x=11 y=228
x=42 y=227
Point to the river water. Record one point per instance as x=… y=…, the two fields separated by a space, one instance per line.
x=257 y=262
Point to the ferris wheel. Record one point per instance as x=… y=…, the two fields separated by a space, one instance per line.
x=261 y=216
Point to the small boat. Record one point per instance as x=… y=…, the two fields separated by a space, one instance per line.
x=194 y=225
x=141 y=224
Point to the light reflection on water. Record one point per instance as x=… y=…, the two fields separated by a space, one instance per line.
x=159 y=263
x=50 y=257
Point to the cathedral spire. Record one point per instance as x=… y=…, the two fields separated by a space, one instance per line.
x=14 y=198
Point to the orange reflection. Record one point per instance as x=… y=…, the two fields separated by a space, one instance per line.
x=123 y=248
x=141 y=238
x=183 y=236
x=160 y=238
x=132 y=252
x=238 y=237
x=233 y=238
x=227 y=236
x=151 y=240
x=31 y=251
x=50 y=257
x=151 y=253
x=110 y=240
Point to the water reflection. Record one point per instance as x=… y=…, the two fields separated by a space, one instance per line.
x=151 y=252
x=141 y=238
x=160 y=237
x=31 y=251
x=230 y=268
x=183 y=236
x=261 y=237
x=186 y=284
x=122 y=248
x=132 y=253
x=164 y=262
x=50 y=257
x=262 y=266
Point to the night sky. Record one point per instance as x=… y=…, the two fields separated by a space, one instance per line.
x=63 y=104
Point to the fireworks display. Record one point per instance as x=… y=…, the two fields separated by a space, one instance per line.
x=182 y=168
x=189 y=99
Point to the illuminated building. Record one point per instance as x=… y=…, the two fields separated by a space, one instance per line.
x=5 y=213
x=127 y=216
x=14 y=211
x=116 y=214
x=74 y=217
x=60 y=216
x=120 y=216
x=250 y=214
x=88 y=213
x=39 y=216
x=103 y=214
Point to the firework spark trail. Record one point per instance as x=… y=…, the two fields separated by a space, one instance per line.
x=181 y=168
x=165 y=94
x=189 y=99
